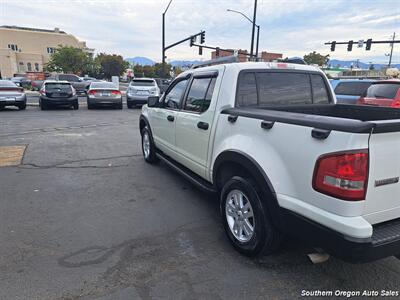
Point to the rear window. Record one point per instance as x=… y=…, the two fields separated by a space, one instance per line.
x=383 y=90
x=59 y=87
x=143 y=83
x=352 y=88
x=280 y=88
x=68 y=77
x=103 y=85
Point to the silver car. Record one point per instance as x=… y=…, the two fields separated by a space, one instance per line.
x=11 y=95
x=103 y=94
x=139 y=90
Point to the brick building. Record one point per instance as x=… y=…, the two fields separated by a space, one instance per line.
x=265 y=56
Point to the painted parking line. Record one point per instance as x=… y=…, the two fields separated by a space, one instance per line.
x=11 y=155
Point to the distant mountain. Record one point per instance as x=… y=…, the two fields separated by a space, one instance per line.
x=183 y=63
x=139 y=60
x=349 y=63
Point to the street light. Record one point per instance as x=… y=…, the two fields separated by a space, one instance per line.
x=258 y=29
x=163 y=38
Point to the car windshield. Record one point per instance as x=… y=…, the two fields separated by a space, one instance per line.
x=58 y=87
x=352 y=88
x=103 y=85
x=7 y=83
x=383 y=90
x=143 y=83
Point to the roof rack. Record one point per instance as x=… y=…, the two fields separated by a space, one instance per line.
x=217 y=61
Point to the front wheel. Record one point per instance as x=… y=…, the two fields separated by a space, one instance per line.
x=148 y=147
x=245 y=220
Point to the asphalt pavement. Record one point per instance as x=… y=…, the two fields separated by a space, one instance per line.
x=84 y=217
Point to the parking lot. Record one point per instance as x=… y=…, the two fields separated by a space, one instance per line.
x=82 y=216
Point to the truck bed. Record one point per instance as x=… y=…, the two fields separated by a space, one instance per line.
x=340 y=117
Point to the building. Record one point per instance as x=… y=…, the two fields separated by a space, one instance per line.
x=25 y=49
x=243 y=55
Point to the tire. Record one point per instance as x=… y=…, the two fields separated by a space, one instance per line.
x=149 y=151
x=119 y=106
x=253 y=233
x=22 y=106
x=89 y=105
x=129 y=105
x=76 y=106
x=42 y=106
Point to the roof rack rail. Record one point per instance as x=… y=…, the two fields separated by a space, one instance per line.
x=217 y=61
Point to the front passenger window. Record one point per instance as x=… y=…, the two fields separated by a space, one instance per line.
x=174 y=96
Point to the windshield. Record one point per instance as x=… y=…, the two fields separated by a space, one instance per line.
x=103 y=85
x=143 y=83
x=383 y=90
x=58 y=87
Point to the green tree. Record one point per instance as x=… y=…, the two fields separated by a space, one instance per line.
x=69 y=60
x=111 y=64
x=316 y=58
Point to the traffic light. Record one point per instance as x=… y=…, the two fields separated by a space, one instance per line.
x=350 y=46
x=202 y=37
x=192 y=41
x=200 y=50
x=369 y=43
x=333 y=45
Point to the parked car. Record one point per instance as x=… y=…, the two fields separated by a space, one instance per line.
x=36 y=84
x=21 y=81
x=348 y=91
x=139 y=90
x=162 y=84
x=57 y=93
x=382 y=93
x=283 y=157
x=79 y=85
x=104 y=93
x=11 y=95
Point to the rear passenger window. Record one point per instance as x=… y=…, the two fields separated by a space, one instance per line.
x=247 y=90
x=200 y=93
x=283 y=88
x=320 y=93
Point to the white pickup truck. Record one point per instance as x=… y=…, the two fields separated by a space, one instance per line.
x=284 y=158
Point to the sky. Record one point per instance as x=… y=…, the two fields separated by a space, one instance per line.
x=292 y=27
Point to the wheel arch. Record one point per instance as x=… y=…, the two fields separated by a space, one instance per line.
x=230 y=162
x=143 y=122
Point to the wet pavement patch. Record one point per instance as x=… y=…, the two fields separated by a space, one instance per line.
x=11 y=155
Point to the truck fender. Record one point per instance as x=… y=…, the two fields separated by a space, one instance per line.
x=250 y=165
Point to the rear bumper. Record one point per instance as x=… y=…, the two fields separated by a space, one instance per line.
x=59 y=101
x=137 y=99
x=384 y=242
x=16 y=102
x=104 y=101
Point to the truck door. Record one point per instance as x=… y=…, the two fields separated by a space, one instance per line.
x=194 y=122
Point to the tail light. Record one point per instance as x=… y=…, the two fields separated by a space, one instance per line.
x=116 y=92
x=395 y=104
x=342 y=175
x=92 y=92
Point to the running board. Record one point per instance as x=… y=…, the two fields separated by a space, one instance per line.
x=188 y=174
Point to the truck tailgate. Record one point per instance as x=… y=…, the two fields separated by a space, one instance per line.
x=383 y=193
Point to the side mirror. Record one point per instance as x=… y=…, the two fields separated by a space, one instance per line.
x=153 y=101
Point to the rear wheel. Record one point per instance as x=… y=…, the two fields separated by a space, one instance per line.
x=245 y=220
x=42 y=105
x=130 y=105
x=76 y=106
x=119 y=106
x=89 y=105
x=22 y=106
x=148 y=147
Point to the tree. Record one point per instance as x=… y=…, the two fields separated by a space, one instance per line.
x=111 y=64
x=69 y=60
x=316 y=58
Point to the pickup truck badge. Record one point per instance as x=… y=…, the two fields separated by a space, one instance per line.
x=386 y=181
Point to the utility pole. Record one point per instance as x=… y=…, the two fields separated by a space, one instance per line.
x=253 y=28
x=163 y=38
x=391 y=50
